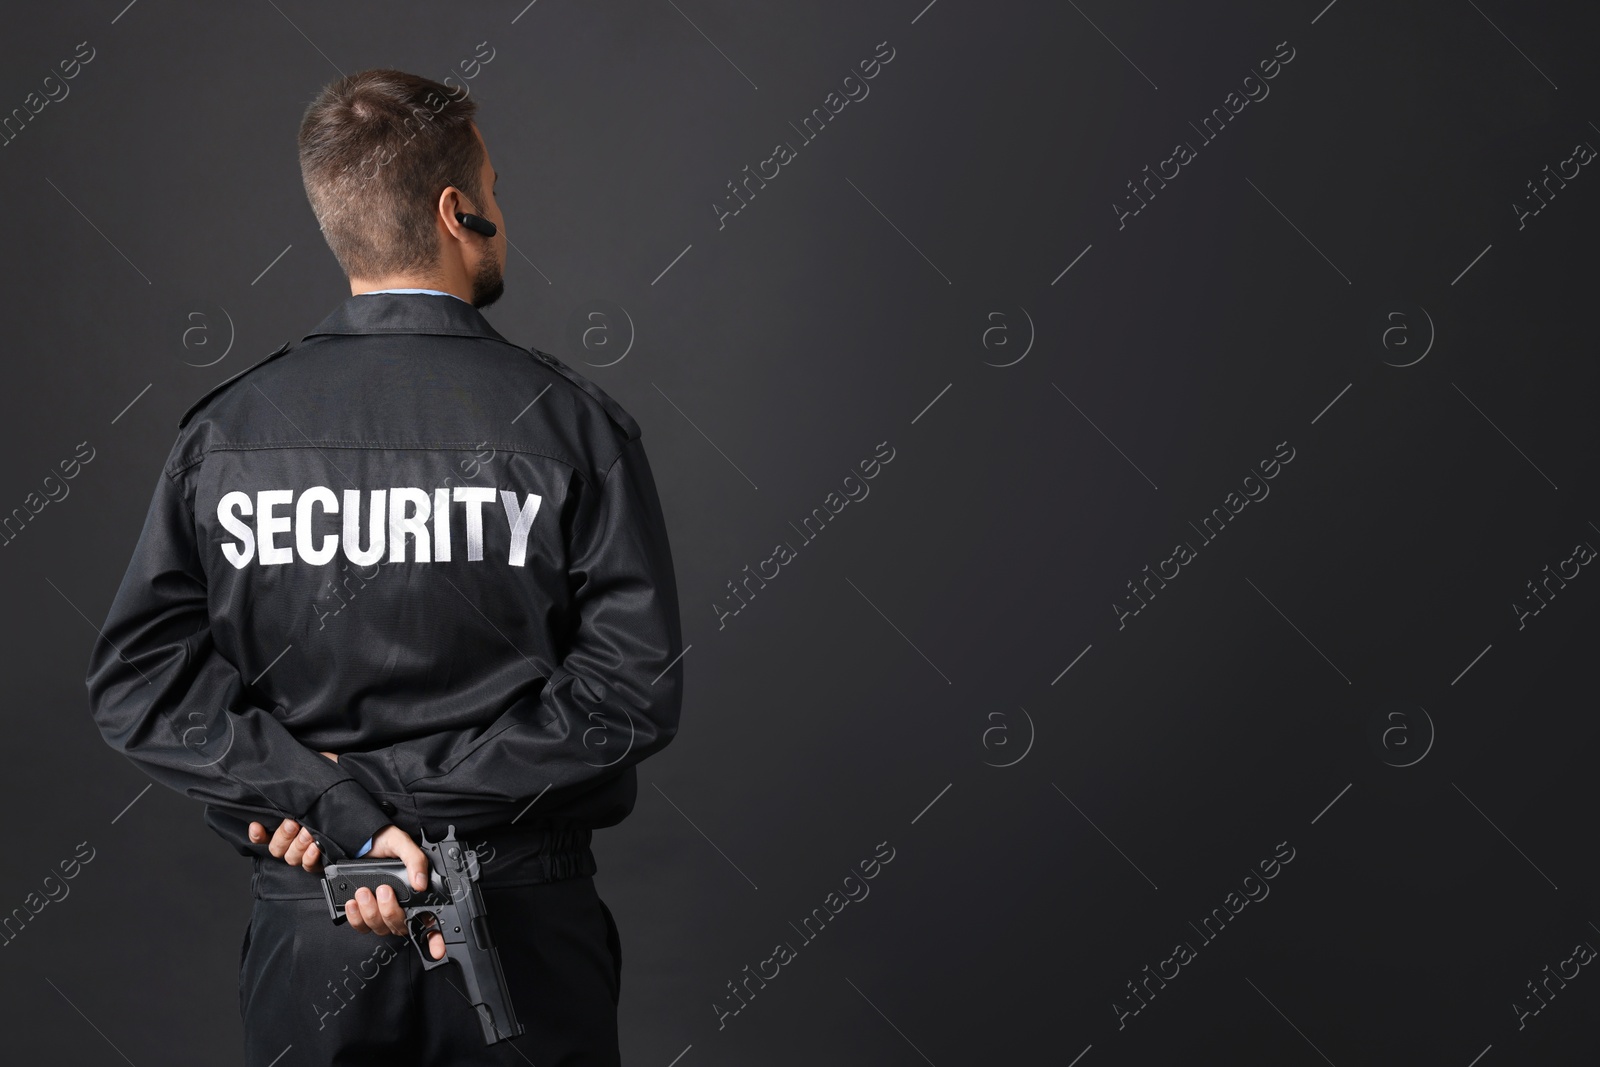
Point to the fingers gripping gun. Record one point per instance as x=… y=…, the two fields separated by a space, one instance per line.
x=455 y=905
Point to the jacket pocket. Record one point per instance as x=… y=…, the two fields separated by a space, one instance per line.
x=451 y=764
x=523 y=712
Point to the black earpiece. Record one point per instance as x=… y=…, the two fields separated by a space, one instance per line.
x=477 y=224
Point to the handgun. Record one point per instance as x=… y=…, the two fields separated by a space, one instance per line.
x=451 y=905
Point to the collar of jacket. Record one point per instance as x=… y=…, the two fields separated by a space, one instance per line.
x=406 y=313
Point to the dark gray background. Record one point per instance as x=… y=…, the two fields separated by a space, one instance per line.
x=866 y=693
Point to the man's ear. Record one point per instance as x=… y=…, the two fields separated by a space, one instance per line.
x=450 y=202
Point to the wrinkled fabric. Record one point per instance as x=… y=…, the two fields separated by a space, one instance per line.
x=409 y=542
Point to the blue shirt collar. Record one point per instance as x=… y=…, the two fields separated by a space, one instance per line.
x=431 y=292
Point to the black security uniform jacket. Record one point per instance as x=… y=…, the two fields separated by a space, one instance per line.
x=409 y=542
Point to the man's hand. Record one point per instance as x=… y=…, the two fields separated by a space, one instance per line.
x=381 y=913
x=291 y=843
x=378 y=913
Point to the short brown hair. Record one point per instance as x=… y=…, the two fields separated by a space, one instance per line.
x=376 y=150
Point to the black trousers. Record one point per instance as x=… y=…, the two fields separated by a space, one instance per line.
x=315 y=993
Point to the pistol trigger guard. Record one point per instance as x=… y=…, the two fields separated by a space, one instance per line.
x=419 y=930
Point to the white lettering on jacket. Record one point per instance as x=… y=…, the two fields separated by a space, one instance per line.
x=404 y=523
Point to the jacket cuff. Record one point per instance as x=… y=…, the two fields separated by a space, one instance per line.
x=347 y=816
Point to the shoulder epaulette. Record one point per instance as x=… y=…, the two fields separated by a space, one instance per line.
x=613 y=410
x=214 y=390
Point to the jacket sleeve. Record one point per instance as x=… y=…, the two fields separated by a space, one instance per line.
x=163 y=696
x=612 y=701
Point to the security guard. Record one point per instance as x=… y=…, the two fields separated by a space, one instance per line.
x=400 y=576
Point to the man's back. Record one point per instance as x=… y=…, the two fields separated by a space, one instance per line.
x=413 y=536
